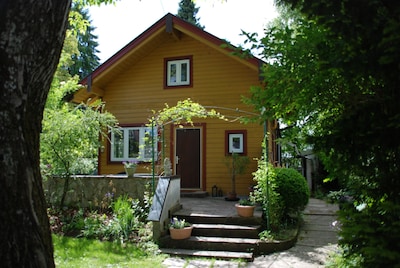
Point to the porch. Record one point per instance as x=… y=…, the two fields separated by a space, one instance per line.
x=211 y=207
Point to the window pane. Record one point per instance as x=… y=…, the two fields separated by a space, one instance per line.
x=118 y=146
x=133 y=151
x=172 y=73
x=148 y=152
x=184 y=72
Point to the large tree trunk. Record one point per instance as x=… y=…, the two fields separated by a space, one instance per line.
x=31 y=38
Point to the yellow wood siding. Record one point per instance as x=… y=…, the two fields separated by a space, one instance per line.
x=218 y=80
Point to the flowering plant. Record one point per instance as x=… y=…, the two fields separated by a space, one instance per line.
x=246 y=202
x=130 y=163
x=178 y=224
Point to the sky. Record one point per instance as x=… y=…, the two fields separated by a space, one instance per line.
x=117 y=25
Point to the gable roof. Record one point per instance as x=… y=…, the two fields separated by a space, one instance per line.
x=144 y=44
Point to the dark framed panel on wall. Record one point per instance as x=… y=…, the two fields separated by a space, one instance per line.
x=236 y=142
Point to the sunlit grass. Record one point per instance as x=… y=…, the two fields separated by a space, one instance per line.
x=82 y=253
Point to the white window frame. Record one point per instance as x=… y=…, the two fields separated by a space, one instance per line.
x=235 y=143
x=178 y=79
x=144 y=153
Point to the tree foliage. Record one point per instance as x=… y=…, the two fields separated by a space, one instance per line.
x=71 y=135
x=86 y=60
x=188 y=11
x=333 y=73
x=70 y=138
x=183 y=112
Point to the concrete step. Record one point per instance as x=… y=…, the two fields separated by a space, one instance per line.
x=226 y=230
x=217 y=234
x=247 y=245
x=215 y=219
x=209 y=254
x=195 y=194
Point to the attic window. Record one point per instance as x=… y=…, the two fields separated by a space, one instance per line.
x=178 y=71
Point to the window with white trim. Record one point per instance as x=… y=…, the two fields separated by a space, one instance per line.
x=178 y=72
x=133 y=143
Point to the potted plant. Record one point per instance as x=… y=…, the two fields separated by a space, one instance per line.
x=236 y=165
x=180 y=229
x=245 y=207
x=130 y=167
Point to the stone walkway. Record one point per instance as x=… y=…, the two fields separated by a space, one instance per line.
x=317 y=239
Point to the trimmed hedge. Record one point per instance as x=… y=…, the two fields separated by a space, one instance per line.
x=281 y=192
x=292 y=189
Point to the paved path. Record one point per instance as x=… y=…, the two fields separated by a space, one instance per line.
x=317 y=239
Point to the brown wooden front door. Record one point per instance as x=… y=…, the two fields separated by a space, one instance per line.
x=187 y=158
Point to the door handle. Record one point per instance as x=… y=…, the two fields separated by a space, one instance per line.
x=176 y=160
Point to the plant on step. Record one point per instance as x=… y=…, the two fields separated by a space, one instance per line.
x=178 y=223
x=246 y=202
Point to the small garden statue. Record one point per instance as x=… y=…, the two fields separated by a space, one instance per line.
x=167 y=167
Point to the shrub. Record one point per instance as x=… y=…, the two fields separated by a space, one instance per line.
x=265 y=194
x=122 y=219
x=280 y=191
x=94 y=226
x=123 y=224
x=292 y=189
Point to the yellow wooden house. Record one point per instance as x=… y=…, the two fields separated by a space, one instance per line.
x=171 y=61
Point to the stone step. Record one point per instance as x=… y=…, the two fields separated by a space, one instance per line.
x=195 y=194
x=215 y=219
x=218 y=233
x=226 y=230
x=211 y=243
x=209 y=254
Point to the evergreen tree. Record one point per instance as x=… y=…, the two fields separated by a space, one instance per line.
x=86 y=60
x=188 y=11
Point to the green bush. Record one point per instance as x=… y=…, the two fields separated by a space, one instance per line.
x=292 y=189
x=280 y=191
x=94 y=226
x=265 y=194
x=125 y=221
x=123 y=224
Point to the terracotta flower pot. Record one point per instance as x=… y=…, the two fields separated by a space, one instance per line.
x=245 y=211
x=181 y=233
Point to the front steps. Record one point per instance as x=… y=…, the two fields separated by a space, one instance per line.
x=217 y=237
x=195 y=194
x=227 y=230
x=209 y=254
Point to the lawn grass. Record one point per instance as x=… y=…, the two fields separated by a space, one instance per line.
x=82 y=253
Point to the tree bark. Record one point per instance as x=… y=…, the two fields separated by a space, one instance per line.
x=31 y=39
